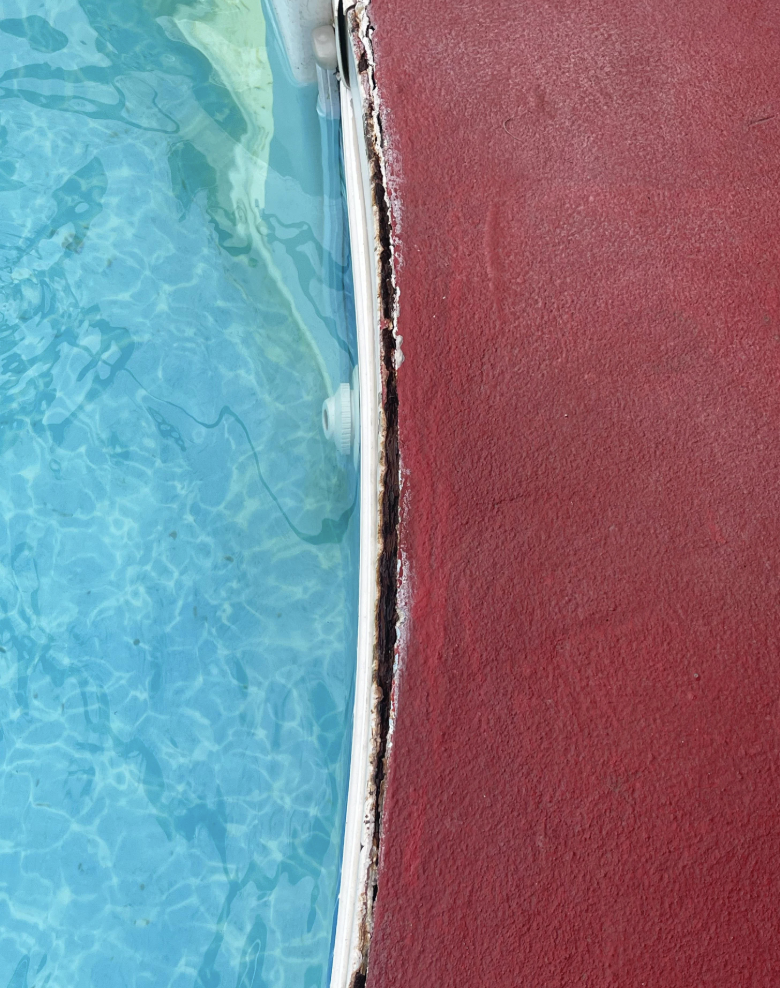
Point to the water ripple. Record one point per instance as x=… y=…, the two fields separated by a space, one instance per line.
x=178 y=546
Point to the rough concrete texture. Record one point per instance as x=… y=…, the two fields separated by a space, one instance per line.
x=584 y=784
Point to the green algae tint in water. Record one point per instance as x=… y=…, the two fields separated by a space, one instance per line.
x=178 y=546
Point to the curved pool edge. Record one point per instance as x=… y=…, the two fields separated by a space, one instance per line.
x=370 y=229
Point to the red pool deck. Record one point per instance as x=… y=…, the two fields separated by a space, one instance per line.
x=584 y=785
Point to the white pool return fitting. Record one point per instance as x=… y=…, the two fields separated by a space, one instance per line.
x=341 y=418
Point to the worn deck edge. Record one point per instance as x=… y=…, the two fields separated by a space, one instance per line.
x=376 y=297
x=387 y=607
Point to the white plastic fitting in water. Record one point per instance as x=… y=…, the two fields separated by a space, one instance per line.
x=341 y=418
x=323 y=43
x=294 y=20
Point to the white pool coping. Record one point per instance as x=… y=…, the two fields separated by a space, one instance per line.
x=359 y=827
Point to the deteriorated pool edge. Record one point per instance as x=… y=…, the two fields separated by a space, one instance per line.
x=376 y=303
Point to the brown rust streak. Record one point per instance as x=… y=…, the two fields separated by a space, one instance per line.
x=386 y=617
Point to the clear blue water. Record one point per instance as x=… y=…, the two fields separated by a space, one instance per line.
x=178 y=544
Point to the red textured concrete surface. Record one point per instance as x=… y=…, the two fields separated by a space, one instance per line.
x=585 y=786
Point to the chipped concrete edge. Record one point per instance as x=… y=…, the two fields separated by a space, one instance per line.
x=360 y=32
x=376 y=302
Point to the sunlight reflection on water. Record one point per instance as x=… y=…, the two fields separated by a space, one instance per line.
x=178 y=546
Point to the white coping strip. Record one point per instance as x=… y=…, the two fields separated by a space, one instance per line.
x=358 y=832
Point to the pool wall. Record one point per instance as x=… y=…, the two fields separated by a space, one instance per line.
x=376 y=300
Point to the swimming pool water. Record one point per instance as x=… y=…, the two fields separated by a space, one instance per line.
x=178 y=544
